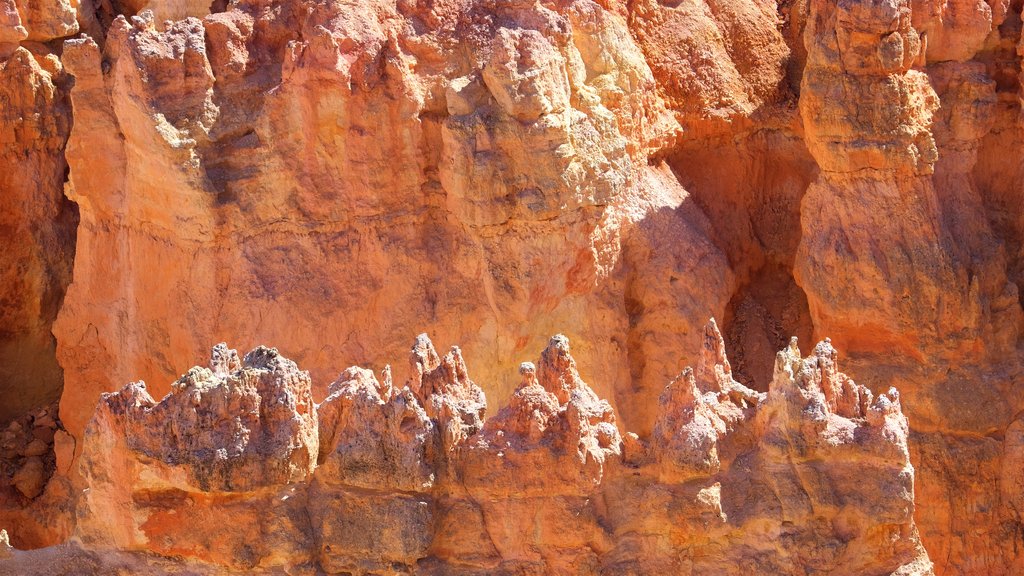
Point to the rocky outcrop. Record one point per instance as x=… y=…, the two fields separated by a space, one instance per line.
x=812 y=475
x=232 y=427
x=247 y=141
x=770 y=482
x=325 y=175
x=897 y=254
x=225 y=443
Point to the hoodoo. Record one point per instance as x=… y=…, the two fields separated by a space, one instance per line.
x=333 y=177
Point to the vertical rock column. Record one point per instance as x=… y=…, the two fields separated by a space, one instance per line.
x=899 y=265
x=141 y=104
x=870 y=219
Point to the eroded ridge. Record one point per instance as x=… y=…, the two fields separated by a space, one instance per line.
x=238 y=470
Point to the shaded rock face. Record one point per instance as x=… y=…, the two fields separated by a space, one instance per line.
x=27 y=455
x=326 y=175
x=236 y=470
x=37 y=225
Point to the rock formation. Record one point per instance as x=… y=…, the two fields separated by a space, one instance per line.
x=220 y=475
x=37 y=225
x=328 y=176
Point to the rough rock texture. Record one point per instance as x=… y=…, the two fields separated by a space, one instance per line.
x=898 y=258
x=330 y=175
x=27 y=457
x=36 y=225
x=813 y=475
x=225 y=443
x=258 y=148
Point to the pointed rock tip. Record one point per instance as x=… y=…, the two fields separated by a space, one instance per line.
x=260 y=357
x=223 y=360
x=559 y=342
x=712 y=354
x=423 y=346
x=711 y=328
x=423 y=353
x=557 y=353
x=528 y=374
x=825 y=348
x=144 y=20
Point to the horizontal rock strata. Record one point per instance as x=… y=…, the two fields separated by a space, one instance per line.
x=325 y=175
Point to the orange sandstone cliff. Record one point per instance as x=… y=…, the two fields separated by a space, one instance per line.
x=330 y=177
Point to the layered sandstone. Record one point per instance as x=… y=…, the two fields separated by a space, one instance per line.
x=329 y=176
x=813 y=474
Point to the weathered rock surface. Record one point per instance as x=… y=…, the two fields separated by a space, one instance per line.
x=227 y=442
x=898 y=256
x=218 y=476
x=37 y=225
x=27 y=457
x=330 y=175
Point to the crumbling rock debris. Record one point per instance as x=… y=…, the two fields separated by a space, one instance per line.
x=5 y=545
x=27 y=457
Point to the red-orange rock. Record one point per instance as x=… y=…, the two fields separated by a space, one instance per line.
x=814 y=474
x=36 y=226
x=329 y=176
x=898 y=258
x=229 y=441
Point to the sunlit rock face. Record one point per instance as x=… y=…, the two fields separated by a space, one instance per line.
x=331 y=177
x=236 y=469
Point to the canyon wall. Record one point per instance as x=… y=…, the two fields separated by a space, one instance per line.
x=237 y=469
x=330 y=177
